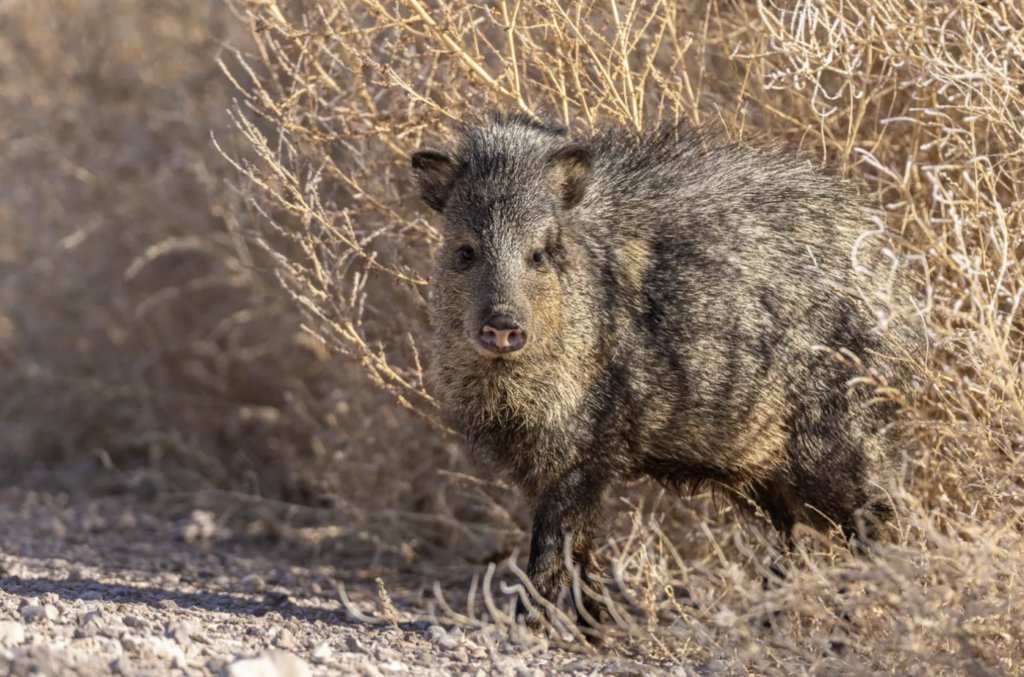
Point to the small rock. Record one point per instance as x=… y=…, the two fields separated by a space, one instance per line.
x=182 y=631
x=89 y=624
x=201 y=525
x=113 y=628
x=710 y=668
x=127 y=521
x=253 y=583
x=270 y=663
x=478 y=652
x=167 y=604
x=385 y=654
x=33 y=613
x=54 y=527
x=394 y=667
x=38 y=660
x=523 y=671
x=152 y=646
x=12 y=569
x=76 y=574
x=372 y=671
x=578 y=665
x=136 y=623
x=285 y=639
x=354 y=645
x=131 y=642
x=322 y=654
x=275 y=599
x=448 y=643
x=28 y=601
x=624 y=669
x=49 y=598
x=460 y=655
x=12 y=633
x=435 y=633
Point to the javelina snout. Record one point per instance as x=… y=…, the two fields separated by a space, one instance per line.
x=502 y=334
x=675 y=292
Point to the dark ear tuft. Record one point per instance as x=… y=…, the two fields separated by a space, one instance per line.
x=433 y=172
x=570 y=169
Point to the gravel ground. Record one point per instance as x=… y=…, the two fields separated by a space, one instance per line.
x=101 y=586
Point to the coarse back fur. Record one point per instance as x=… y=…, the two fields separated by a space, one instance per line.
x=676 y=293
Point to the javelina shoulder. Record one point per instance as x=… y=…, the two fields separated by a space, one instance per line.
x=617 y=304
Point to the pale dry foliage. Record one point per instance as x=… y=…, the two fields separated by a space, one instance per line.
x=921 y=102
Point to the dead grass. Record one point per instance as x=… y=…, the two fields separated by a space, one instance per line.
x=144 y=334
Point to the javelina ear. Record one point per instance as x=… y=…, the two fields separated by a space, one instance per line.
x=570 y=168
x=433 y=173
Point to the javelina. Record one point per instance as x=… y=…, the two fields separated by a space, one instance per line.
x=616 y=305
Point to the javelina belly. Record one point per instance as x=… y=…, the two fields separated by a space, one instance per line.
x=618 y=305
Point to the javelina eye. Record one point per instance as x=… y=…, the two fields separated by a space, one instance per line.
x=540 y=256
x=466 y=254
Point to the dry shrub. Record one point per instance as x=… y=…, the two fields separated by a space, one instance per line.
x=921 y=102
x=145 y=341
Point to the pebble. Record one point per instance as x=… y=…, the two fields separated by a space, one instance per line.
x=89 y=624
x=12 y=633
x=623 y=669
x=386 y=653
x=322 y=654
x=136 y=623
x=201 y=525
x=523 y=671
x=151 y=646
x=167 y=604
x=354 y=645
x=34 y=613
x=435 y=633
x=275 y=598
x=285 y=639
x=272 y=663
x=182 y=631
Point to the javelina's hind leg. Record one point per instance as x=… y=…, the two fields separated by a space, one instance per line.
x=569 y=509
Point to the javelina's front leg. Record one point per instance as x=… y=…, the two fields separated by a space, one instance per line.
x=570 y=508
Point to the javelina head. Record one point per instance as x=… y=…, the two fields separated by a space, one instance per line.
x=507 y=195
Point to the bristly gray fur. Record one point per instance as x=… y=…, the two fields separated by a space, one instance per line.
x=673 y=324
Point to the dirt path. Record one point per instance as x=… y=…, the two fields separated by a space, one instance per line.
x=100 y=587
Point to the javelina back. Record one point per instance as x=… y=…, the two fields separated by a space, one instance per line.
x=619 y=305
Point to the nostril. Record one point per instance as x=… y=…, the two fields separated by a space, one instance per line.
x=516 y=339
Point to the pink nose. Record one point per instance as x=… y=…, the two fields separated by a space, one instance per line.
x=502 y=334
